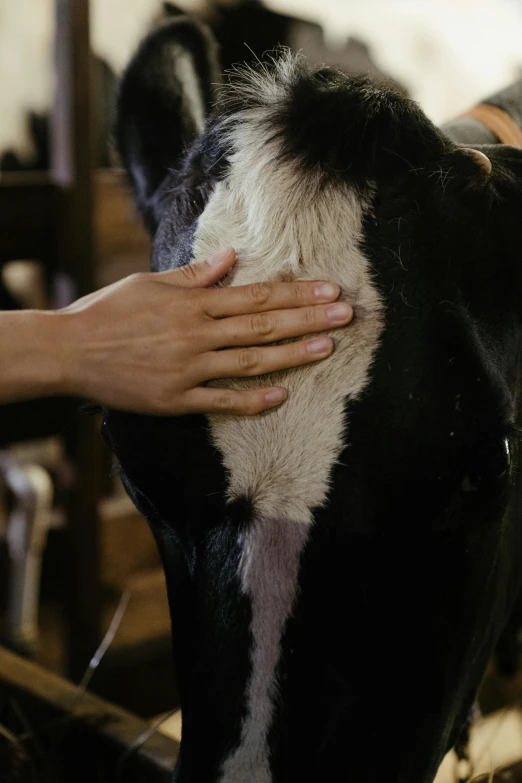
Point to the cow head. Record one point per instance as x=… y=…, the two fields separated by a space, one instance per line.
x=339 y=569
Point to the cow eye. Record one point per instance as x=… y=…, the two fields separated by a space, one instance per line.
x=490 y=466
x=104 y=431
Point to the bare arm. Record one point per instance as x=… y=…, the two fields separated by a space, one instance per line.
x=150 y=342
x=32 y=350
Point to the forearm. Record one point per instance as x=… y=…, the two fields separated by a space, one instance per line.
x=33 y=355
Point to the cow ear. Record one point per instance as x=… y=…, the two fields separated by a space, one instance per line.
x=165 y=94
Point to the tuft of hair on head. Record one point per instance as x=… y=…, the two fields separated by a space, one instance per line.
x=347 y=127
x=260 y=84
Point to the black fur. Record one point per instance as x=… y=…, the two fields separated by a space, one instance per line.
x=411 y=572
x=373 y=124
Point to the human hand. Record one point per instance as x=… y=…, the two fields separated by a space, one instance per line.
x=150 y=342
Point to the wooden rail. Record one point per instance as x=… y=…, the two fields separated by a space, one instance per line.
x=29 y=202
x=97 y=733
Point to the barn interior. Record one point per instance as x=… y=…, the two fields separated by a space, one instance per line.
x=84 y=622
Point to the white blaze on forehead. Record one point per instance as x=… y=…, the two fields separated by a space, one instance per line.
x=283 y=225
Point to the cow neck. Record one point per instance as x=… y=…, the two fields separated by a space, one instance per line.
x=498 y=122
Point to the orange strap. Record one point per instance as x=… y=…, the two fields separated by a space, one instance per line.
x=498 y=122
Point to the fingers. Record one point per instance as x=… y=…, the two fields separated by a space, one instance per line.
x=271 y=327
x=232 y=401
x=248 y=362
x=254 y=298
x=261 y=297
x=202 y=273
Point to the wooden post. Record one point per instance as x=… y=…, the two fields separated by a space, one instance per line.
x=73 y=166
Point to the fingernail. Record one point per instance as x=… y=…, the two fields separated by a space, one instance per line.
x=326 y=291
x=339 y=313
x=276 y=395
x=321 y=345
x=219 y=257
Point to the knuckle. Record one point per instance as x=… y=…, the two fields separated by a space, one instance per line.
x=297 y=348
x=248 y=358
x=297 y=352
x=309 y=316
x=262 y=324
x=225 y=401
x=191 y=336
x=189 y=272
x=164 y=402
x=302 y=291
x=260 y=292
x=194 y=298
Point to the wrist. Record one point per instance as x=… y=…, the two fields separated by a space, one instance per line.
x=35 y=358
x=62 y=375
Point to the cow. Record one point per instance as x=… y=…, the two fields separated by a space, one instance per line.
x=339 y=569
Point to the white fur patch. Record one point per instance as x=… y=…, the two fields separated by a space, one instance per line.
x=285 y=224
x=185 y=70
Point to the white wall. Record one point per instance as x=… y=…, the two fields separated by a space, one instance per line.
x=448 y=53
x=26 y=54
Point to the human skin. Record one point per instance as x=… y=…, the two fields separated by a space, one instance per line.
x=150 y=342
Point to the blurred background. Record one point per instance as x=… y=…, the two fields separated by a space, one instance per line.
x=71 y=543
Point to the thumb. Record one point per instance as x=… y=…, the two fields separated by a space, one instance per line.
x=201 y=274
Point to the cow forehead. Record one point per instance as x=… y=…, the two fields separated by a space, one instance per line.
x=282 y=220
x=347 y=127
x=288 y=137
x=283 y=231
x=289 y=219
